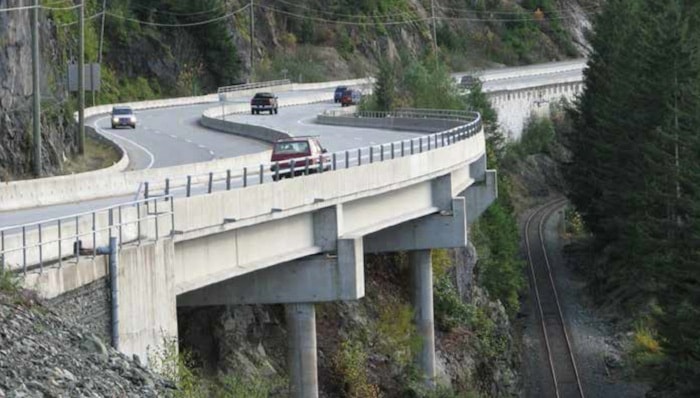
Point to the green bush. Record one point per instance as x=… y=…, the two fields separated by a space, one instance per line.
x=349 y=365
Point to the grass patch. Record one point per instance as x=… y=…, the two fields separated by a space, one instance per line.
x=98 y=155
x=10 y=282
x=349 y=366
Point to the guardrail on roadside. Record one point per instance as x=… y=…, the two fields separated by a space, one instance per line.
x=248 y=86
x=60 y=239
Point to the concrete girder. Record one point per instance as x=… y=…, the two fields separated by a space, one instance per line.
x=311 y=279
x=480 y=196
x=443 y=230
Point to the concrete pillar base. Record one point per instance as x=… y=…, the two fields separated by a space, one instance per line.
x=422 y=276
x=301 y=357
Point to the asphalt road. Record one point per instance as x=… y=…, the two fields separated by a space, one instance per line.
x=172 y=136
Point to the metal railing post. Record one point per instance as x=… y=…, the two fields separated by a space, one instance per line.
x=306 y=166
x=172 y=217
x=2 y=250
x=381 y=152
x=155 y=210
x=335 y=162
x=24 y=249
x=77 y=239
x=277 y=171
x=291 y=169
x=138 y=223
x=211 y=182
x=371 y=154
x=347 y=159
x=94 y=235
x=41 y=250
x=228 y=179
x=411 y=146
x=428 y=143
x=262 y=170
x=145 y=190
x=392 y=150
x=420 y=144
x=245 y=177
x=121 y=232
x=60 y=241
x=359 y=156
x=403 y=148
x=320 y=163
x=189 y=186
x=167 y=186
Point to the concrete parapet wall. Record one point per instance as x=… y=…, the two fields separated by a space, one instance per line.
x=515 y=105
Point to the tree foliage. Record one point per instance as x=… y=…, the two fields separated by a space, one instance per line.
x=635 y=173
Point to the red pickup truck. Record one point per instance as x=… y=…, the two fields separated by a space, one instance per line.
x=263 y=102
x=289 y=157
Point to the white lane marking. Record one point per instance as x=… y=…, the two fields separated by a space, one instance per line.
x=188 y=141
x=211 y=153
x=173 y=136
x=104 y=132
x=202 y=146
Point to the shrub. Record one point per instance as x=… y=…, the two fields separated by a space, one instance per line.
x=349 y=365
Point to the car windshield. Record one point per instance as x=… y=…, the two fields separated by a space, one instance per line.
x=301 y=147
x=121 y=111
x=263 y=95
x=341 y=88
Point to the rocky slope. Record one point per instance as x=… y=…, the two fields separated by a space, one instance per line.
x=42 y=356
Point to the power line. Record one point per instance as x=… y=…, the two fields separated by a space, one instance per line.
x=556 y=10
x=73 y=7
x=182 y=14
x=331 y=13
x=178 y=25
x=340 y=22
x=91 y=17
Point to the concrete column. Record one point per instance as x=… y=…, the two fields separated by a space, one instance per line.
x=422 y=275
x=301 y=356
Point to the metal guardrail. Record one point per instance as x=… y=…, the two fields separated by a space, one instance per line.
x=221 y=180
x=56 y=240
x=249 y=86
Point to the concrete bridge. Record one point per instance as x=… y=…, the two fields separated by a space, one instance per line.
x=234 y=236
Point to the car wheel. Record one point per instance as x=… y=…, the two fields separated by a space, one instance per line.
x=133 y=127
x=252 y=111
x=276 y=110
x=114 y=127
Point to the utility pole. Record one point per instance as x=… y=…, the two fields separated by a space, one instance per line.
x=102 y=32
x=432 y=8
x=252 y=34
x=81 y=82
x=37 y=89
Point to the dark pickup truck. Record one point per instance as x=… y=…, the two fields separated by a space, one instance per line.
x=263 y=102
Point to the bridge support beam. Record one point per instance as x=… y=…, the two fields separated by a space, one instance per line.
x=480 y=196
x=422 y=277
x=301 y=351
x=445 y=229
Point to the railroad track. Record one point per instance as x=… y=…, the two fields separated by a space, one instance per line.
x=565 y=381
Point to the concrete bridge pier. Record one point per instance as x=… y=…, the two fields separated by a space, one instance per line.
x=301 y=350
x=422 y=278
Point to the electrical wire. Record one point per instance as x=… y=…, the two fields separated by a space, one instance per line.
x=182 y=14
x=339 y=22
x=20 y=8
x=331 y=13
x=73 y=7
x=177 y=25
x=555 y=10
x=91 y=17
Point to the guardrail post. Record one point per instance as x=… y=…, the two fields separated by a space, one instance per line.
x=347 y=159
x=335 y=161
x=138 y=221
x=77 y=239
x=392 y=150
x=411 y=146
x=2 y=250
x=41 y=250
x=155 y=210
x=371 y=154
x=262 y=170
x=94 y=235
x=420 y=144
x=442 y=135
x=189 y=186
x=228 y=179
x=145 y=190
x=403 y=148
x=60 y=240
x=306 y=166
x=167 y=186
x=291 y=169
x=381 y=152
x=24 y=249
x=211 y=182
x=359 y=156
x=320 y=163
x=172 y=217
x=245 y=177
x=428 y=143
x=277 y=171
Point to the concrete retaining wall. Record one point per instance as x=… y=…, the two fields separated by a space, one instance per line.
x=404 y=124
x=88 y=306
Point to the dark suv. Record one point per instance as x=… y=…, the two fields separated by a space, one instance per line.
x=339 y=91
x=289 y=157
x=123 y=116
x=263 y=102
